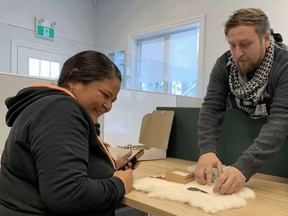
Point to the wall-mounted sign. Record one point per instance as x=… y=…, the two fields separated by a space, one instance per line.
x=44 y=28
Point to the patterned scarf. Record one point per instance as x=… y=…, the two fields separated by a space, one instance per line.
x=250 y=95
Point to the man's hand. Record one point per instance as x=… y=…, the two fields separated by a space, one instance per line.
x=230 y=181
x=206 y=162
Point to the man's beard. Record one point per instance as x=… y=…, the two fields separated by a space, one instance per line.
x=246 y=68
x=249 y=66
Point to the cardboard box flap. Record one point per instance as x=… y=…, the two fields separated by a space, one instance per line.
x=156 y=128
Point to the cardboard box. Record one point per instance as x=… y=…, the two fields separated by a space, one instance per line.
x=179 y=176
x=154 y=136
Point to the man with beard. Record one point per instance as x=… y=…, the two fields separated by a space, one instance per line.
x=253 y=77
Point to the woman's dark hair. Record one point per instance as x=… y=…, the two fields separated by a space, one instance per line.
x=277 y=36
x=87 y=66
x=278 y=39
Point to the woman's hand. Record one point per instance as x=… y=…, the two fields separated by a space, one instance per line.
x=123 y=159
x=127 y=178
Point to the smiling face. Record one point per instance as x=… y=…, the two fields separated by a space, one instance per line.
x=247 y=49
x=97 y=96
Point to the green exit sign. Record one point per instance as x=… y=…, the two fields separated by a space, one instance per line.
x=45 y=32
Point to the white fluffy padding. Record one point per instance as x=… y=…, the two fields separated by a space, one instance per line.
x=210 y=202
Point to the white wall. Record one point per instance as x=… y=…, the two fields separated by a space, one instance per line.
x=117 y=19
x=75 y=20
x=74 y=30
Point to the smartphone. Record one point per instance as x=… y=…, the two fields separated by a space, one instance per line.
x=133 y=160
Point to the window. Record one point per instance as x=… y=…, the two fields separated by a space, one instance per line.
x=44 y=68
x=168 y=60
x=119 y=60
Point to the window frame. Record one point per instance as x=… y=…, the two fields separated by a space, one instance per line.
x=160 y=30
x=17 y=60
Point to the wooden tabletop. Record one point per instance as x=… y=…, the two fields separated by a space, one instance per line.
x=271 y=194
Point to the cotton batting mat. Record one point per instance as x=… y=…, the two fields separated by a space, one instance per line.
x=209 y=202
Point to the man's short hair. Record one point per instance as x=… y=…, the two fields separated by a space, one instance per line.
x=249 y=17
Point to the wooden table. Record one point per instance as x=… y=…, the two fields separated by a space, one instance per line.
x=271 y=194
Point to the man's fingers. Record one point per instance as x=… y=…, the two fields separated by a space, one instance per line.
x=208 y=175
x=219 y=169
x=204 y=176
